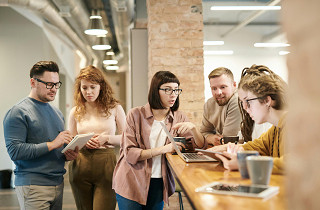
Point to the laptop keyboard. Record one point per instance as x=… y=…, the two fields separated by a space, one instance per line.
x=194 y=156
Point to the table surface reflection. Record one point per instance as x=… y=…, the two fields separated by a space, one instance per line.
x=193 y=175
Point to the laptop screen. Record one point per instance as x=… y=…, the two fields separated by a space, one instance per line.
x=171 y=138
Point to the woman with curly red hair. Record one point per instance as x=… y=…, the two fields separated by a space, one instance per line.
x=96 y=110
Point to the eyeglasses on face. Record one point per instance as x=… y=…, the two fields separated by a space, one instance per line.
x=50 y=85
x=169 y=91
x=248 y=101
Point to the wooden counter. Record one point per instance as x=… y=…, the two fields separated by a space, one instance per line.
x=193 y=175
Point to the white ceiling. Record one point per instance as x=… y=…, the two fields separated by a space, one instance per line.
x=220 y=25
x=267 y=24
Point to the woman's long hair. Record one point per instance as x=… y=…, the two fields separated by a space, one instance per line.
x=262 y=82
x=105 y=101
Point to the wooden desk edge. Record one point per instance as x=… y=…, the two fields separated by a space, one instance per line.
x=176 y=178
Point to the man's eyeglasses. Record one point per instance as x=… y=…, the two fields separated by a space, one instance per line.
x=50 y=85
x=169 y=91
x=248 y=101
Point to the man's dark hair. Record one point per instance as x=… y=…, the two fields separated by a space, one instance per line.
x=161 y=77
x=40 y=67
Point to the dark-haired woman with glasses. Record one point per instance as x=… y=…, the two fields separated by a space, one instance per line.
x=262 y=98
x=142 y=178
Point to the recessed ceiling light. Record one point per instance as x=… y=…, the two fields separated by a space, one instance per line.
x=271 y=44
x=213 y=42
x=283 y=52
x=245 y=8
x=218 y=52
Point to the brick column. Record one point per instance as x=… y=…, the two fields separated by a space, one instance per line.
x=303 y=168
x=175 y=36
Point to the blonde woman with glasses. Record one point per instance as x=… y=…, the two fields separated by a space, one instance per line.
x=262 y=97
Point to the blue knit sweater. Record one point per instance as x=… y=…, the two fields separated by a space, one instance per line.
x=28 y=125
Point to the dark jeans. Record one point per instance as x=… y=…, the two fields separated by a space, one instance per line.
x=154 y=201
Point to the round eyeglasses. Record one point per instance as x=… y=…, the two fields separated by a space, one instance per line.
x=50 y=85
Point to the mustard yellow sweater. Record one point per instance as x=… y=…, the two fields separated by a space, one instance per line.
x=271 y=143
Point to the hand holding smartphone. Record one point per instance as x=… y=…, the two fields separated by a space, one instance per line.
x=211 y=153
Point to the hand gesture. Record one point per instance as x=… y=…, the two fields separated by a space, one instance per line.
x=71 y=154
x=93 y=143
x=64 y=137
x=234 y=148
x=170 y=147
x=231 y=163
x=214 y=139
x=220 y=148
x=183 y=127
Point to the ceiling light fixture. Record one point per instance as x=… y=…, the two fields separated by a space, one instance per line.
x=112 y=67
x=245 y=8
x=95 y=24
x=218 y=52
x=109 y=60
x=213 y=42
x=271 y=44
x=283 y=52
x=101 y=43
x=110 y=53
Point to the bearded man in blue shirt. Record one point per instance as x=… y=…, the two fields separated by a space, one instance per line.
x=34 y=135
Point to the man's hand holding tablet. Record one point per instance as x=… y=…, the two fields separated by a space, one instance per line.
x=78 y=141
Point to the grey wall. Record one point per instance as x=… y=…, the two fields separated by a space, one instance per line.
x=139 y=66
x=22 y=44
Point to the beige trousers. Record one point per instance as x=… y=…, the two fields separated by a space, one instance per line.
x=32 y=197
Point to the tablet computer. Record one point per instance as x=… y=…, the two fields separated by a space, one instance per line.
x=78 y=141
x=211 y=153
x=256 y=191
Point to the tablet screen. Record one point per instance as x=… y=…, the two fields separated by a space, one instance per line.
x=258 y=191
x=237 y=188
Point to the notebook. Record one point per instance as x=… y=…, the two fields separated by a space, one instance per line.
x=187 y=157
x=78 y=141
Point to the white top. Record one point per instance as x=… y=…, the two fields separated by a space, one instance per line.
x=258 y=130
x=157 y=139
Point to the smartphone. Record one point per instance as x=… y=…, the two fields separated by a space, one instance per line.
x=256 y=191
x=207 y=151
x=211 y=153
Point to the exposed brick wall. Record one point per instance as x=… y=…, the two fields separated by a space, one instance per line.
x=301 y=23
x=175 y=33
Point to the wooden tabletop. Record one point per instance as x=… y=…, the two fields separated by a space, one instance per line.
x=193 y=175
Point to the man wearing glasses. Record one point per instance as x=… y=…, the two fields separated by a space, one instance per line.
x=34 y=135
x=221 y=115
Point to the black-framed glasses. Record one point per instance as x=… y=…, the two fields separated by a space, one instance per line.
x=50 y=85
x=251 y=99
x=169 y=91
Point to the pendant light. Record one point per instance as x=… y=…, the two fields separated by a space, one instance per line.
x=109 y=59
x=96 y=26
x=101 y=43
x=112 y=67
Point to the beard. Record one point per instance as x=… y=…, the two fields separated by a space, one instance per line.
x=45 y=98
x=222 y=102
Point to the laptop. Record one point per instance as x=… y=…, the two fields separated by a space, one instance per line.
x=187 y=157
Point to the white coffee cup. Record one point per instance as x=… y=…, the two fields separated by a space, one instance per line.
x=260 y=169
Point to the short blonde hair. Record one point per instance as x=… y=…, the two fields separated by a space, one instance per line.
x=220 y=71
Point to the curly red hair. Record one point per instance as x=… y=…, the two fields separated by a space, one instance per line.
x=105 y=101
